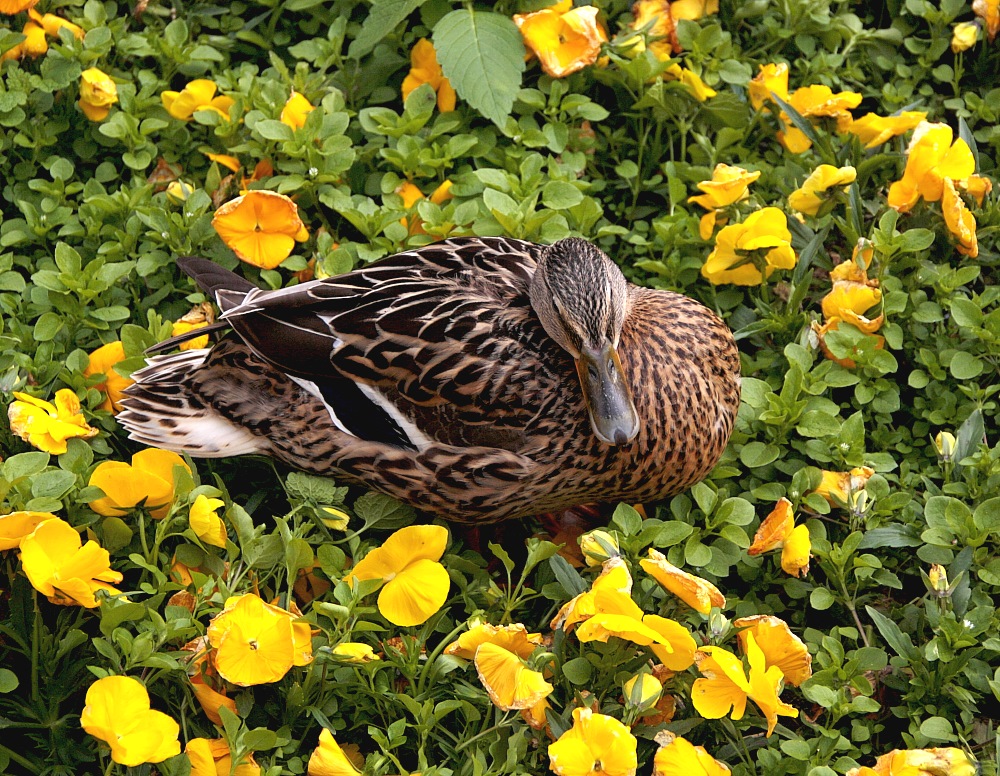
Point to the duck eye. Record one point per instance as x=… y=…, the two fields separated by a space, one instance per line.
x=592 y=371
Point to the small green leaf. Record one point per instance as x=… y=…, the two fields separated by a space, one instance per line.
x=578 y=671
x=382 y=19
x=8 y=680
x=937 y=729
x=965 y=366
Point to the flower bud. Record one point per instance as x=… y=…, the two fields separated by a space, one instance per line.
x=938 y=576
x=333 y=518
x=179 y=191
x=964 y=36
x=642 y=691
x=944 y=443
x=598 y=546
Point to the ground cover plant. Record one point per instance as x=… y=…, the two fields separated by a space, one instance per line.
x=820 y=173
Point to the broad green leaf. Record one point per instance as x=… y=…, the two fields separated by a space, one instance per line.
x=382 y=19
x=893 y=636
x=482 y=54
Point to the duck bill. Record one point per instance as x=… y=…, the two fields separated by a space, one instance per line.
x=609 y=401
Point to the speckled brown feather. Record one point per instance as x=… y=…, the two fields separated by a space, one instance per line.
x=447 y=335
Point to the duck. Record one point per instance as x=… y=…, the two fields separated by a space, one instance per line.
x=478 y=379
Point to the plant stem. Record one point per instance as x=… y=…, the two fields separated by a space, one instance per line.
x=20 y=760
x=36 y=637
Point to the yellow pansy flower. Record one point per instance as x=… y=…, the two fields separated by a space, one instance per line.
x=260 y=227
x=97 y=94
x=820 y=187
x=774 y=529
x=565 y=39
x=118 y=713
x=693 y=9
x=930 y=159
x=197 y=95
x=507 y=679
x=658 y=14
x=873 y=130
x=424 y=69
x=211 y=757
x=328 y=759
x=698 y=88
x=989 y=12
x=52 y=24
x=839 y=488
x=514 y=638
x=102 y=362
x=256 y=642
x=211 y=700
x=732 y=261
x=679 y=757
x=17 y=525
x=729 y=184
x=959 y=220
x=11 y=7
x=149 y=481
x=610 y=593
x=700 y=594
x=815 y=103
x=765 y=686
x=59 y=565
x=602 y=627
x=205 y=521
x=796 y=552
x=964 y=36
x=48 y=426
x=680 y=654
x=780 y=646
x=415 y=584
x=355 y=652
x=295 y=111
x=949 y=761
x=596 y=744
x=772 y=78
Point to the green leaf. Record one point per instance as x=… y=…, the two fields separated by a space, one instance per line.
x=756 y=454
x=482 y=54
x=8 y=680
x=965 y=366
x=382 y=19
x=970 y=436
x=578 y=671
x=270 y=129
x=893 y=636
x=626 y=520
x=567 y=576
x=890 y=536
x=937 y=729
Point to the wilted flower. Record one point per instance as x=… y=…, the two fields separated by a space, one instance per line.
x=415 y=584
x=97 y=94
x=849 y=299
x=780 y=646
x=295 y=111
x=949 y=761
x=205 y=521
x=944 y=443
x=102 y=362
x=977 y=187
x=565 y=39
x=839 y=487
x=355 y=652
x=964 y=36
x=118 y=713
x=198 y=317
x=59 y=565
x=149 y=481
x=959 y=220
x=742 y=251
x=17 y=525
x=197 y=95
x=698 y=88
x=778 y=531
x=679 y=757
x=211 y=757
x=261 y=227
x=33 y=45
x=658 y=14
x=930 y=159
x=700 y=594
x=48 y=426
x=596 y=744
x=256 y=642
x=820 y=188
x=210 y=700
x=772 y=78
x=328 y=759
x=873 y=130
x=514 y=638
x=989 y=12
x=507 y=679
x=424 y=69
x=815 y=103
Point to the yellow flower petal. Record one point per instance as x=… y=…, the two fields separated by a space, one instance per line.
x=328 y=759
x=839 y=487
x=118 y=713
x=679 y=757
x=211 y=700
x=205 y=521
x=48 y=426
x=728 y=185
x=405 y=546
x=355 y=652
x=723 y=686
x=874 y=130
x=415 y=593
x=610 y=594
x=564 y=41
x=821 y=184
x=779 y=645
x=17 y=525
x=97 y=94
x=959 y=220
x=102 y=362
x=774 y=529
x=596 y=744
x=230 y=162
x=948 y=761
x=260 y=227
x=509 y=682
x=426 y=70
x=680 y=655
x=295 y=111
x=514 y=638
x=796 y=552
x=197 y=95
x=765 y=686
x=59 y=565
x=771 y=78
x=700 y=594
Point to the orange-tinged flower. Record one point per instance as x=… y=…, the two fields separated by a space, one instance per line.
x=874 y=130
x=732 y=260
x=355 y=652
x=415 y=584
x=693 y=9
x=33 y=45
x=261 y=227
x=197 y=95
x=679 y=757
x=52 y=24
x=596 y=744
x=820 y=187
x=424 y=69
x=59 y=565
x=959 y=220
x=948 y=761
x=838 y=488
x=815 y=103
x=11 y=7
x=989 y=12
x=680 y=655
x=507 y=679
x=728 y=185
x=774 y=529
x=977 y=187
x=48 y=426
x=118 y=713
x=328 y=759
x=211 y=757
x=17 y=525
x=850 y=300
x=102 y=362
x=766 y=685
x=295 y=111
x=256 y=642
x=772 y=78
x=97 y=94
x=796 y=552
x=211 y=700
x=700 y=594
x=780 y=646
x=658 y=14
x=149 y=481
x=565 y=39
x=930 y=159
x=514 y=638
x=205 y=521
x=698 y=88
x=230 y=162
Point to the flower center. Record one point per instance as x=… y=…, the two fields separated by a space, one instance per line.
x=252 y=643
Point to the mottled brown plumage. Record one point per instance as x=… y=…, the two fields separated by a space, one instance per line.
x=438 y=377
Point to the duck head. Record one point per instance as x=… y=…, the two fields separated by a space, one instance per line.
x=582 y=300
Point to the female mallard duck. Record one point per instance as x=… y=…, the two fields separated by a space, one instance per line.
x=480 y=379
